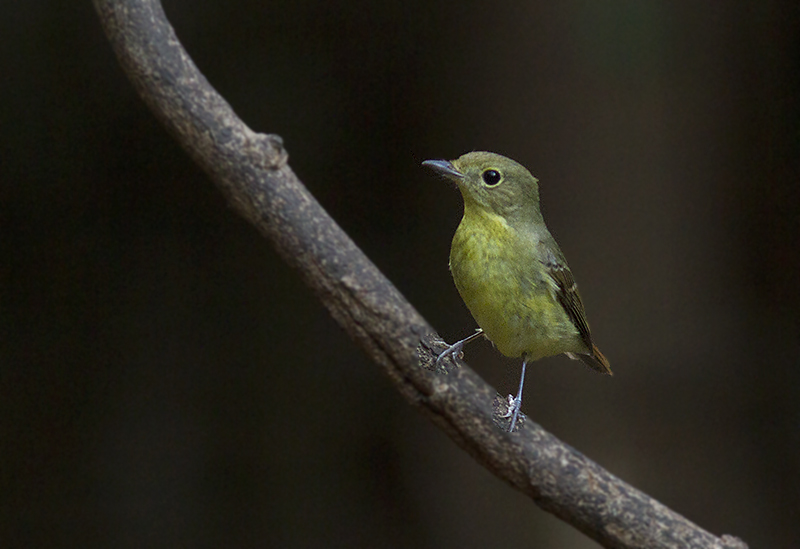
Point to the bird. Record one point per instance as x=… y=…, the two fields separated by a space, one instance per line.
x=510 y=271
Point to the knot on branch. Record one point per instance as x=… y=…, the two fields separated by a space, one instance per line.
x=266 y=150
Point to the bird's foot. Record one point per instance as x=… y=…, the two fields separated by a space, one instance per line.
x=455 y=349
x=514 y=405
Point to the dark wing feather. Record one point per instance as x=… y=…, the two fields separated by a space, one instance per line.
x=567 y=295
x=569 y=298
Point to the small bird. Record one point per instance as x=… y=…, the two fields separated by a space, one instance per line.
x=509 y=270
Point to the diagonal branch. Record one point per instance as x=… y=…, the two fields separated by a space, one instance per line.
x=252 y=171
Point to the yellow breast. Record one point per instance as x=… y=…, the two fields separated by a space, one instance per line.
x=506 y=289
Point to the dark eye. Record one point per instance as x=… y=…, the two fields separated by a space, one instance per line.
x=491 y=177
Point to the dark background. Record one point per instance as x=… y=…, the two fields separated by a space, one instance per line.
x=166 y=381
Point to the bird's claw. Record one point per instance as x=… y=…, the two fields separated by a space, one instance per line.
x=454 y=351
x=510 y=409
x=514 y=405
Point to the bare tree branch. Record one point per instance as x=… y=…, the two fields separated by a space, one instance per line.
x=251 y=170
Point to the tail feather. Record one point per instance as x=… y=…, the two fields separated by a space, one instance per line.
x=596 y=361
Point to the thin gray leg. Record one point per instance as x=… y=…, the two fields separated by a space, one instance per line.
x=517 y=403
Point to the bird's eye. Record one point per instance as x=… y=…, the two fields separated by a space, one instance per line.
x=491 y=177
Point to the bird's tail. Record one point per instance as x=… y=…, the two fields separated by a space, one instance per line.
x=594 y=360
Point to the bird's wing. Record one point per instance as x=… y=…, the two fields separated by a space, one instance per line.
x=567 y=294
x=566 y=291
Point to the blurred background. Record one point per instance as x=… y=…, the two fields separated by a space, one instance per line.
x=166 y=381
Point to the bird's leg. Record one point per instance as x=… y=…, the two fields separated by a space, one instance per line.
x=515 y=404
x=456 y=347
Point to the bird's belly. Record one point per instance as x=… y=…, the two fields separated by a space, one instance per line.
x=516 y=309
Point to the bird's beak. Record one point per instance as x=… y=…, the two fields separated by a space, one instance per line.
x=444 y=168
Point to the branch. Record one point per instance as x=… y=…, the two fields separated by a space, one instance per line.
x=252 y=171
